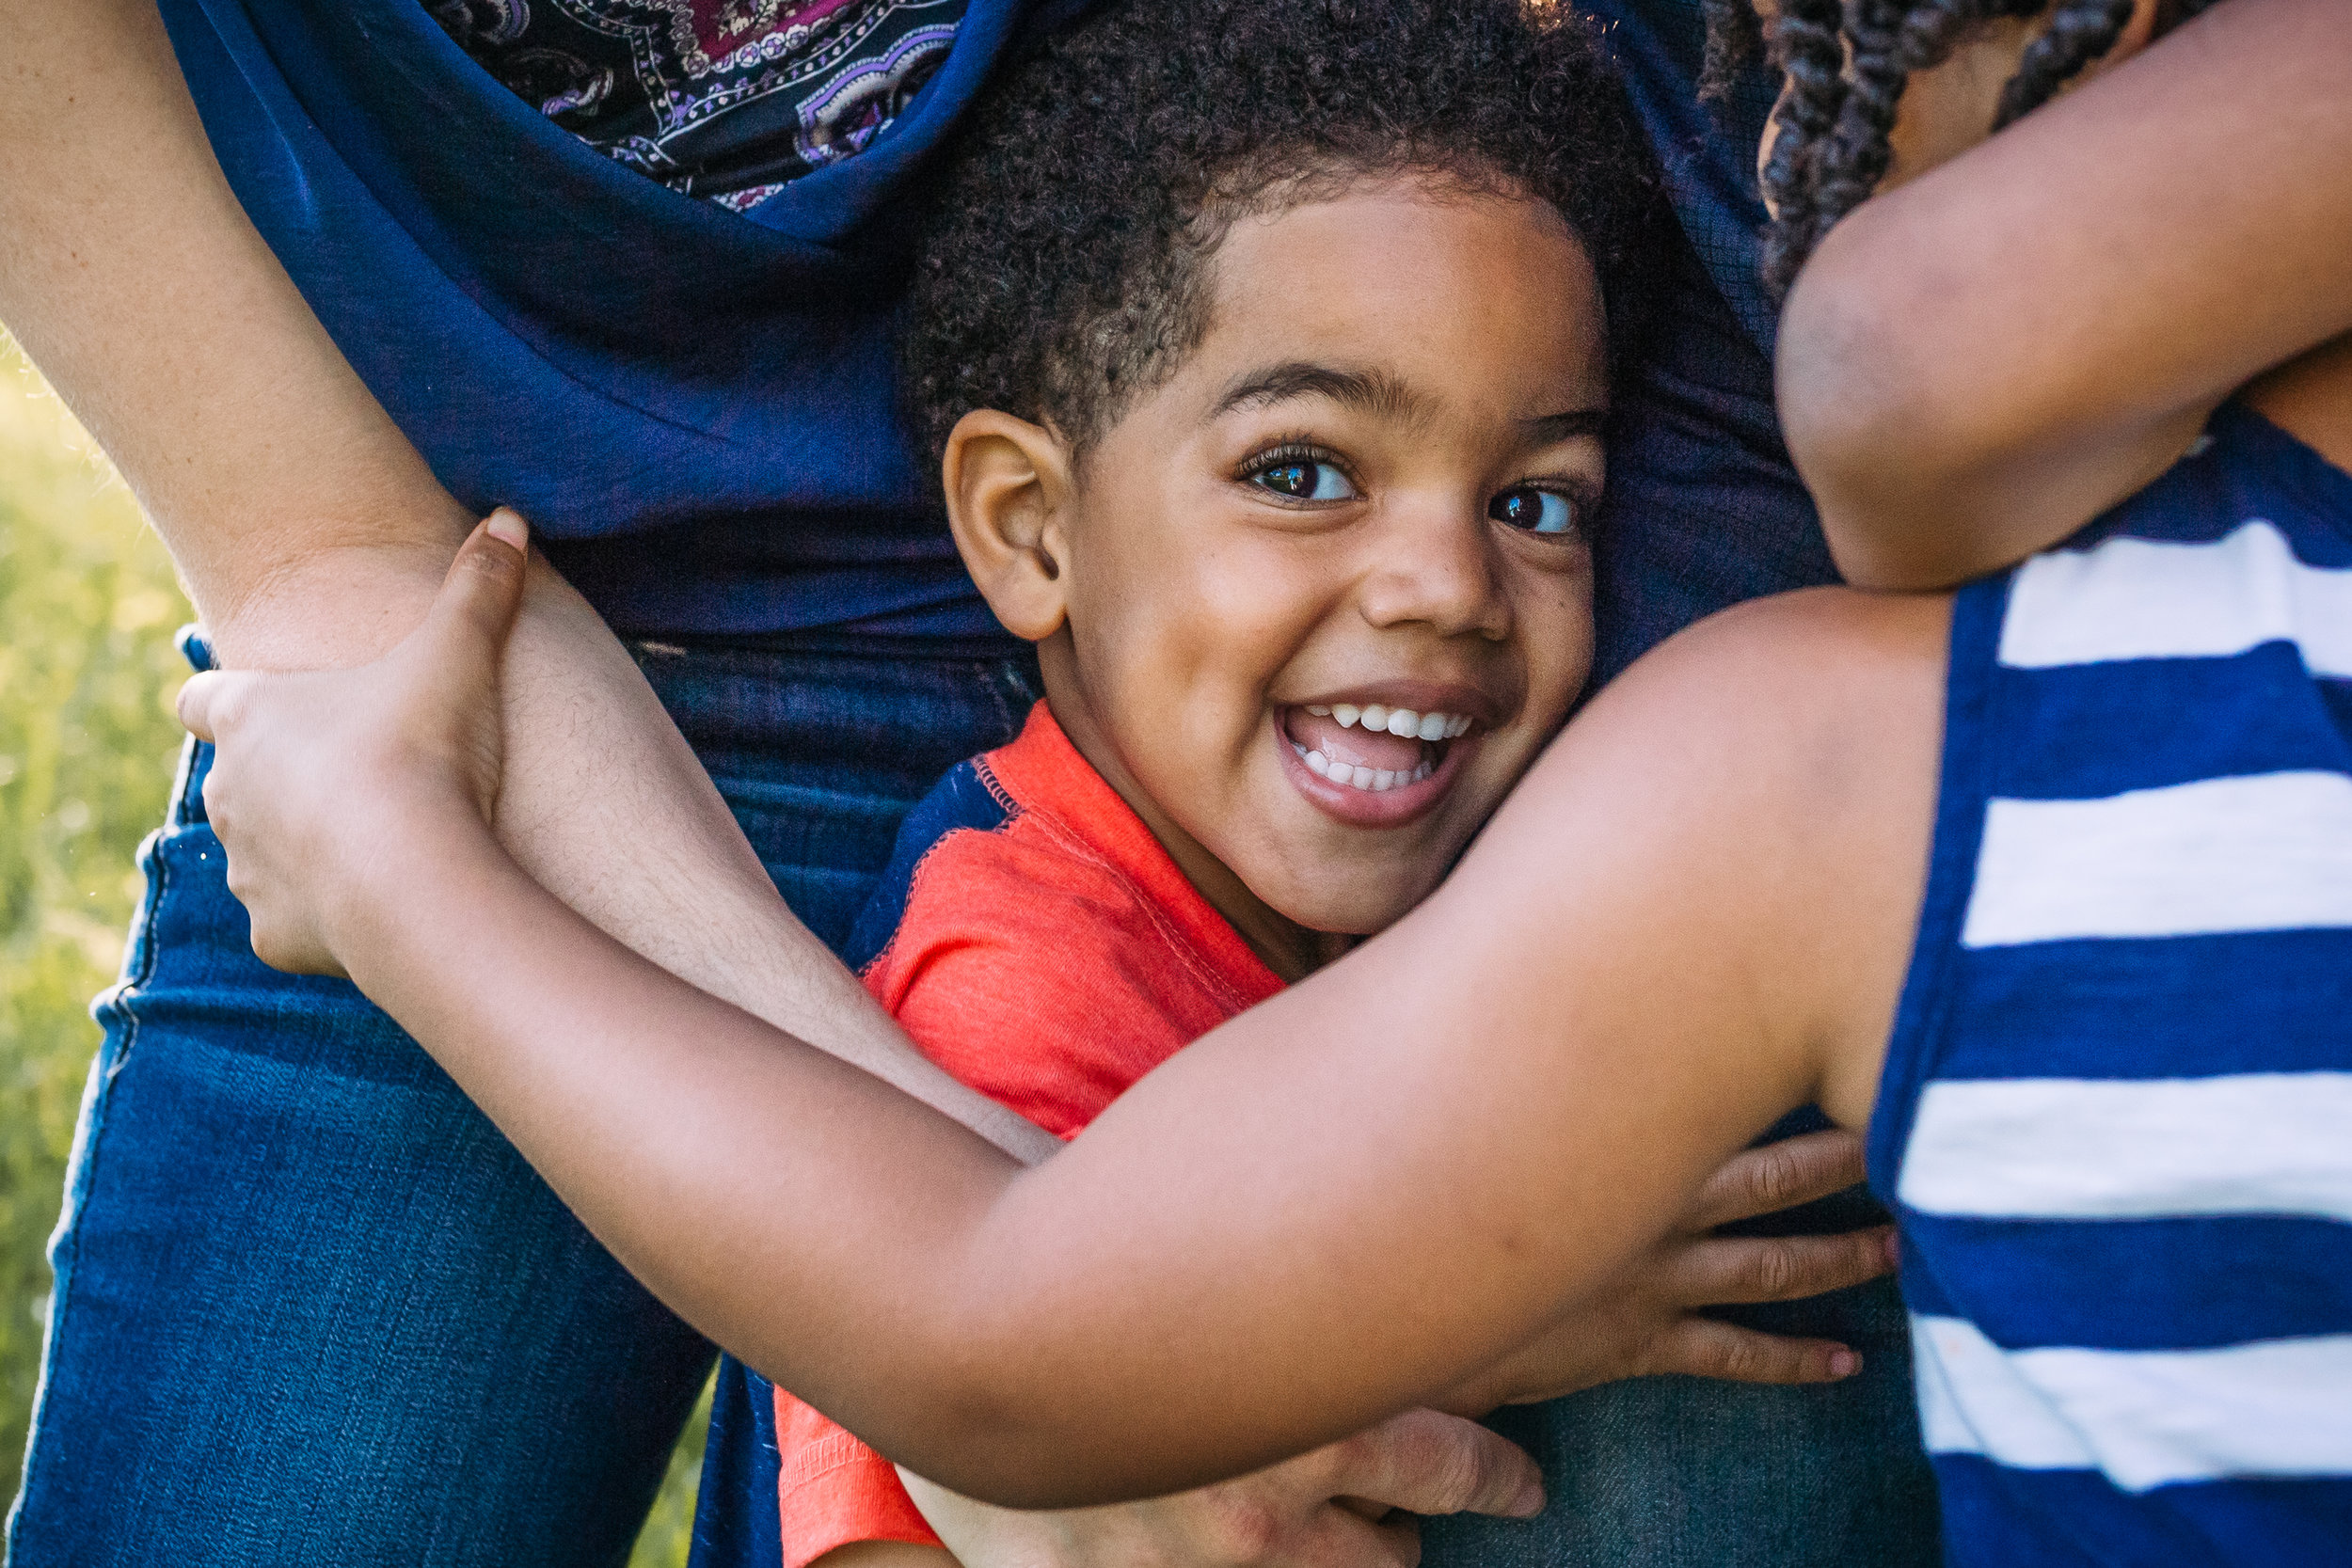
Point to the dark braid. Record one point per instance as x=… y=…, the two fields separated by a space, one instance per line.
x=1853 y=159
x=2079 y=32
x=1847 y=64
x=1807 y=43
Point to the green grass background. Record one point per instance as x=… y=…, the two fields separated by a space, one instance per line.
x=88 y=746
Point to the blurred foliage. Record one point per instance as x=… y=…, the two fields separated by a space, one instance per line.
x=88 y=750
x=87 y=745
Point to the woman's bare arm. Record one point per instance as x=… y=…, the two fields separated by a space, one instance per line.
x=311 y=532
x=1361 y=1196
x=1978 y=363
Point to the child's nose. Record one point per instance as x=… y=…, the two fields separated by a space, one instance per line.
x=1436 y=567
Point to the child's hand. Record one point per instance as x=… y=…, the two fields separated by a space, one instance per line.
x=1652 y=1323
x=323 y=780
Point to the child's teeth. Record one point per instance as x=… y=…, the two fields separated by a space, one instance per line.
x=1373 y=780
x=1400 y=722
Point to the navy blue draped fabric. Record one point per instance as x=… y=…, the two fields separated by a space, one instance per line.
x=696 y=406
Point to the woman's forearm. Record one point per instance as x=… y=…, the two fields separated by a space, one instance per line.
x=1978 y=363
x=310 y=533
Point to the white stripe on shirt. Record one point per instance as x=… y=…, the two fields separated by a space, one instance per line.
x=2146 y=599
x=2147 y=1418
x=2269 y=851
x=2255 y=1143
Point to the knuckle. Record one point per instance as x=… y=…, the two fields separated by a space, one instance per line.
x=1242 y=1528
x=1775 y=1178
x=1741 y=1360
x=1774 y=1272
x=1455 y=1469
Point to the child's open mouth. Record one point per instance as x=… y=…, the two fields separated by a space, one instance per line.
x=1372 y=766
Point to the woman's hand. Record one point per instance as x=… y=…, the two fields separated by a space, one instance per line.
x=1653 y=1323
x=1351 y=1504
x=317 y=775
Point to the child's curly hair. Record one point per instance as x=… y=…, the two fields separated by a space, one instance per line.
x=1065 y=270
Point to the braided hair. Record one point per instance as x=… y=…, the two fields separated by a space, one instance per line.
x=1847 y=62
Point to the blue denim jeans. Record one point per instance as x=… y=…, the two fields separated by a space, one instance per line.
x=310 y=1307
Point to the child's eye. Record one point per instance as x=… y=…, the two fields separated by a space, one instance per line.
x=1534 y=511
x=1304 y=479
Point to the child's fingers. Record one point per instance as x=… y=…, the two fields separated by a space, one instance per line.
x=476 y=606
x=1779 y=1176
x=1724 y=1271
x=1703 y=1347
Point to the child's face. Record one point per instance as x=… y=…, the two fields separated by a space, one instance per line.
x=1363 y=496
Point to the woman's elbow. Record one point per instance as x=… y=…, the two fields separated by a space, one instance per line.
x=1870 y=421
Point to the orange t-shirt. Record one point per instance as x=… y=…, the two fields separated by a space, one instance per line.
x=1048 y=952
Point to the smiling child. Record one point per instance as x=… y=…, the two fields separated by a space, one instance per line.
x=1283 y=458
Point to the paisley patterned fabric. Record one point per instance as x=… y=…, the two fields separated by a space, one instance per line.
x=730 y=99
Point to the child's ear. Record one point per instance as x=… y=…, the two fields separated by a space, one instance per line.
x=1008 y=498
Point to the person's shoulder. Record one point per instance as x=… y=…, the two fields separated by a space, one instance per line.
x=1787 y=682
x=1034 y=969
x=1754 y=797
x=967 y=801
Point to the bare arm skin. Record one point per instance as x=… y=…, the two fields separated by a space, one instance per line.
x=1398 y=1183
x=310 y=533
x=1978 y=363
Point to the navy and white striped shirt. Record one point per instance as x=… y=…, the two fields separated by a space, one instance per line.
x=2116 y=1118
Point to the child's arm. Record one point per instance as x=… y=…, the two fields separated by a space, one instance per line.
x=1453 y=1149
x=1978 y=363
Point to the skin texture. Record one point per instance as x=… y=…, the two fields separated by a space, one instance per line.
x=1187 y=609
x=2043 y=326
x=311 y=535
x=1694 y=913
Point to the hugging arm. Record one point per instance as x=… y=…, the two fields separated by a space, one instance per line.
x=311 y=532
x=1975 y=364
x=1403 y=1182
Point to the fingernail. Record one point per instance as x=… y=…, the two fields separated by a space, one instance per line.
x=1529 y=1503
x=509 y=529
x=1894 y=1248
x=1844 y=1364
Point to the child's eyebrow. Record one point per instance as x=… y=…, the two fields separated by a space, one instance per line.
x=1371 y=391
x=1375 y=391
x=1550 y=429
